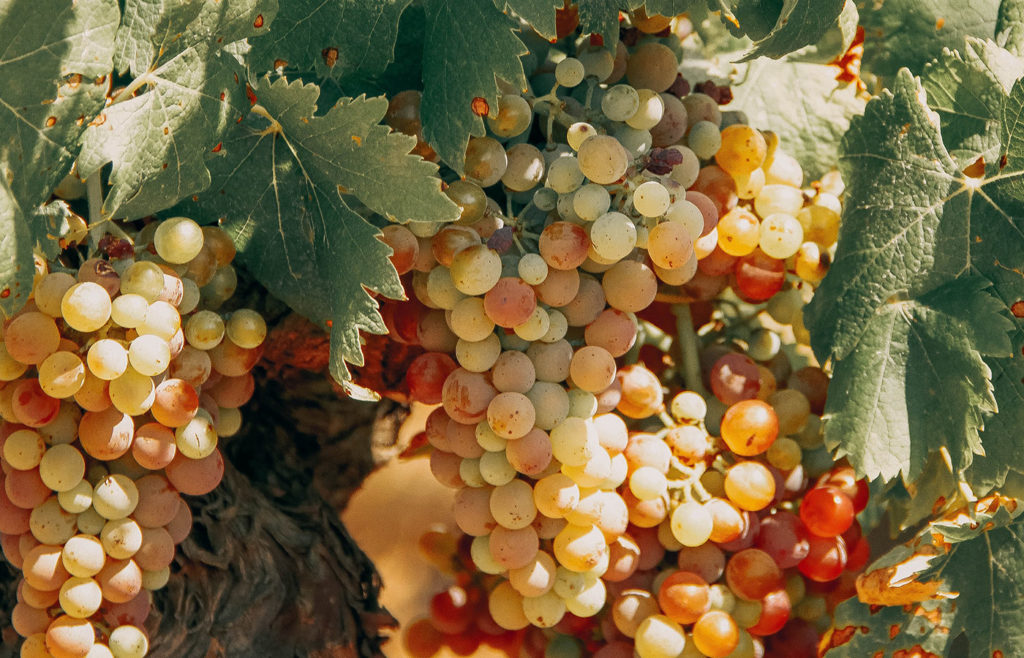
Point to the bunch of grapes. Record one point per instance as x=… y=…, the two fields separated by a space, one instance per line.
x=588 y=507
x=118 y=379
x=737 y=545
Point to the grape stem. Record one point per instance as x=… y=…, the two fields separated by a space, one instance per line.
x=98 y=225
x=653 y=335
x=689 y=349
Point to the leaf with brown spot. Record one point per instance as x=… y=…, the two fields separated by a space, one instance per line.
x=954 y=577
x=182 y=49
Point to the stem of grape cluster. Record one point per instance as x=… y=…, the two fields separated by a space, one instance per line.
x=689 y=349
x=94 y=195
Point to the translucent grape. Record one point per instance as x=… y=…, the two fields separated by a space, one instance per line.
x=578 y=133
x=475 y=270
x=525 y=168
x=739 y=232
x=657 y=636
x=613 y=236
x=246 y=328
x=564 y=175
x=704 y=139
x=602 y=159
x=83 y=556
x=532 y=269
x=620 y=102
x=178 y=240
x=485 y=161
x=128 y=642
x=742 y=151
x=671 y=245
x=86 y=306
x=513 y=118
x=143 y=278
x=651 y=199
x=115 y=496
x=569 y=72
x=650 y=110
x=652 y=65
x=591 y=201
x=197 y=438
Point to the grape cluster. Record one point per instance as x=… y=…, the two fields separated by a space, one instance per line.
x=118 y=379
x=590 y=507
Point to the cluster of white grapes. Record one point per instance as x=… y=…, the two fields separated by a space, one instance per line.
x=527 y=316
x=118 y=379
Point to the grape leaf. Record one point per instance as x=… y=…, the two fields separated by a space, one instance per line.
x=898 y=301
x=157 y=140
x=55 y=62
x=279 y=186
x=958 y=575
x=836 y=40
x=467 y=44
x=910 y=33
x=802 y=102
x=967 y=90
x=781 y=27
x=1010 y=26
x=336 y=39
x=916 y=373
x=16 y=267
x=540 y=14
x=602 y=17
x=668 y=7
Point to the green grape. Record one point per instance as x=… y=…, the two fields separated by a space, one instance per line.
x=197 y=438
x=591 y=201
x=86 y=306
x=246 y=328
x=620 y=103
x=128 y=642
x=514 y=116
x=83 y=556
x=602 y=159
x=178 y=240
x=650 y=110
x=143 y=278
x=115 y=496
x=569 y=72
x=578 y=133
x=704 y=139
x=613 y=236
x=651 y=199
x=564 y=175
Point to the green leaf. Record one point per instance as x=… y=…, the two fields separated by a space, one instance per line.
x=467 y=44
x=194 y=93
x=802 y=102
x=50 y=223
x=915 y=382
x=1010 y=26
x=336 y=39
x=16 y=266
x=782 y=26
x=540 y=14
x=279 y=187
x=958 y=575
x=836 y=40
x=904 y=313
x=967 y=90
x=910 y=33
x=55 y=63
x=668 y=7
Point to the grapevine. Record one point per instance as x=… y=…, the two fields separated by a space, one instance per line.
x=703 y=320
